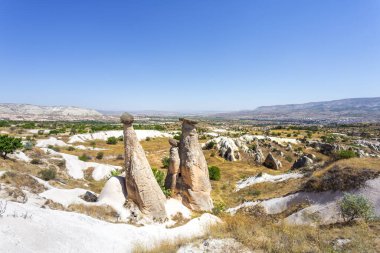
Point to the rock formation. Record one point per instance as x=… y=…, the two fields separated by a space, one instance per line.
x=271 y=162
x=194 y=179
x=142 y=187
x=258 y=156
x=226 y=147
x=303 y=161
x=174 y=163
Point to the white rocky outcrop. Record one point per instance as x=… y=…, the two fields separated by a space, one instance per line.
x=226 y=147
x=264 y=177
x=104 y=135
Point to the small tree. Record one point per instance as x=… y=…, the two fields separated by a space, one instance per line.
x=112 y=140
x=214 y=173
x=8 y=145
x=355 y=206
x=160 y=178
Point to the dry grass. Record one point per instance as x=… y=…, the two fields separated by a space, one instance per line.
x=354 y=163
x=22 y=181
x=344 y=175
x=168 y=246
x=259 y=234
x=106 y=213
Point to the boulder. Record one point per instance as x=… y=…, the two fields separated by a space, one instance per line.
x=89 y=197
x=303 y=161
x=174 y=163
x=114 y=192
x=194 y=183
x=271 y=162
x=141 y=184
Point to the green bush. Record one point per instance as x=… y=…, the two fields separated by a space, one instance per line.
x=160 y=178
x=210 y=145
x=84 y=157
x=355 y=207
x=112 y=140
x=48 y=174
x=8 y=145
x=214 y=173
x=99 y=155
x=115 y=173
x=165 y=162
x=345 y=154
x=177 y=137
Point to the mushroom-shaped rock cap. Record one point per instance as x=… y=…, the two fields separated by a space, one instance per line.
x=189 y=121
x=173 y=142
x=126 y=118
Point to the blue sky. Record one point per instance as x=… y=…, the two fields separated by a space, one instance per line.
x=188 y=55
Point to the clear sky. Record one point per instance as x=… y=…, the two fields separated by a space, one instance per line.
x=187 y=54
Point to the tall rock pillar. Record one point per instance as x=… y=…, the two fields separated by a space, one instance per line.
x=141 y=185
x=195 y=186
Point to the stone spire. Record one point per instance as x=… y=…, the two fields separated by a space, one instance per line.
x=174 y=162
x=142 y=187
x=195 y=187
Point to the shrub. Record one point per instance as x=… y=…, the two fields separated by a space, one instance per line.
x=345 y=154
x=112 y=140
x=36 y=161
x=210 y=145
x=165 y=162
x=70 y=148
x=177 y=137
x=288 y=158
x=115 y=173
x=254 y=192
x=55 y=148
x=147 y=138
x=354 y=207
x=214 y=173
x=160 y=178
x=219 y=207
x=84 y=157
x=48 y=174
x=119 y=157
x=8 y=145
x=99 y=155
x=120 y=138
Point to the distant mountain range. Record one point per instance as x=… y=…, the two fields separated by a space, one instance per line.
x=344 y=110
x=54 y=113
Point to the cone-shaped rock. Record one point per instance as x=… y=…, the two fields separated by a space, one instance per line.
x=195 y=187
x=174 y=162
x=141 y=185
x=271 y=162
